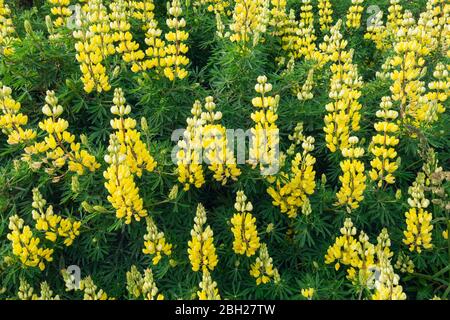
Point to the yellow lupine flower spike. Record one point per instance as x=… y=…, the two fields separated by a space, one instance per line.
x=208 y=288
x=353 y=177
x=94 y=44
x=418 y=229
x=60 y=9
x=59 y=147
x=123 y=193
x=201 y=249
x=264 y=134
x=26 y=246
x=189 y=155
x=175 y=59
x=262 y=269
x=12 y=120
x=120 y=25
x=6 y=30
x=383 y=144
x=155 y=242
x=53 y=225
x=215 y=145
x=138 y=158
x=246 y=240
x=343 y=112
x=354 y=14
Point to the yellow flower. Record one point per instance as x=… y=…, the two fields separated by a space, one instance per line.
x=383 y=145
x=325 y=14
x=138 y=157
x=353 y=177
x=215 y=145
x=123 y=193
x=264 y=134
x=248 y=21
x=343 y=114
x=290 y=190
x=175 y=50
x=417 y=235
x=125 y=46
x=155 y=242
x=354 y=14
x=12 y=120
x=308 y=293
x=26 y=246
x=6 y=30
x=262 y=269
x=59 y=147
x=95 y=43
x=189 y=155
x=202 y=253
x=60 y=9
x=208 y=288
x=246 y=240
x=55 y=226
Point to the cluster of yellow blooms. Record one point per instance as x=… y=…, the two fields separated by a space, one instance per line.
x=26 y=292
x=12 y=120
x=325 y=14
x=432 y=104
x=215 y=145
x=418 y=229
x=264 y=135
x=26 y=246
x=204 y=137
x=354 y=14
x=306 y=13
x=90 y=290
x=138 y=158
x=189 y=155
x=155 y=242
x=404 y=263
x=262 y=269
x=175 y=59
x=217 y=6
x=59 y=145
x=6 y=30
x=120 y=26
x=376 y=31
x=155 y=51
x=369 y=265
x=408 y=68
x=128 y=156
x=53 y=225
x=343 y=112
x=417 y=235
x=306 y=91
x=278 y=17
x=202 y=252
x=353 y=177
x=60 y=9
x=383 y=144
x=208 y=288
x=290 y=190
x=249 y=18
x=139 y=285
x=123 y=192
x=246 y=240
x=306 y=33
x=307 y=293
x=95 y=43
x=86 y=285
x=144 y=12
